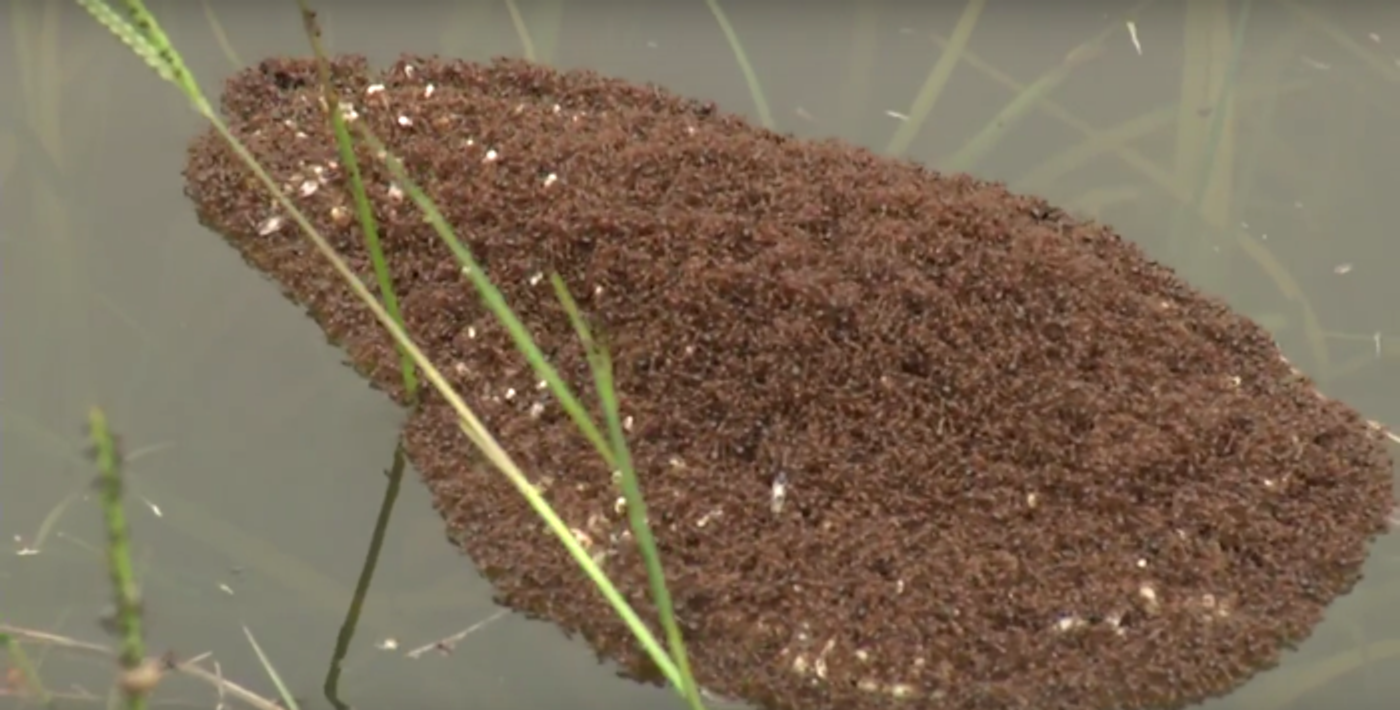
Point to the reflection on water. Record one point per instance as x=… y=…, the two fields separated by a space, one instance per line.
x=257 y=459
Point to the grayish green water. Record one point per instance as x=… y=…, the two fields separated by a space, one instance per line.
x=263 y=455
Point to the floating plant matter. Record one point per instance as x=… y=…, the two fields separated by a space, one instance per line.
x=909 y=440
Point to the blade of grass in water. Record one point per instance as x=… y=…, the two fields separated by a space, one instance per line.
x=765 y=115
x=363 y=211
x=220 y=36
x=282 y=693
x=541 y=43
x=936 y=80
x=601 y=366
x=31 y=683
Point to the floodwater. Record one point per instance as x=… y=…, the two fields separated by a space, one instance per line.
x=256 y=459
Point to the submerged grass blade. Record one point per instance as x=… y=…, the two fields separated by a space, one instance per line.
x=363 y=210
x=1205 y=152
x=765 y=115
x=540 y=44
x=1388 y=69
x=936 y=80
x=971 y=154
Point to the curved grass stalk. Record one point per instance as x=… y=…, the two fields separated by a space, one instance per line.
x=936 y=80
x=760 y=103
x=150 y=44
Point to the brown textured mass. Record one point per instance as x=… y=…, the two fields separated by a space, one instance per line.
x=1025 y=466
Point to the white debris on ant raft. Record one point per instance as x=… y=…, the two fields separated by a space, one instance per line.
x=536 y=410
x=395 y=193
x=779 y=493
x=707 y=517
x=510 y=393
x=491 y=156
x=428 y=91
x=550 y=179
x=348 y=112
x=270 y=225
x=536 y=278
x=627 y=423
x=388 y=644
x=373 y=89
x=308 y=188
x=405 y=121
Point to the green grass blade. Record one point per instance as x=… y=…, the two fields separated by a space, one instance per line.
x=288 y=701
x=936 y=80
x=601 y=366
x=363 y=210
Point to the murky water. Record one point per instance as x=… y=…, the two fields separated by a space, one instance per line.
x=257 y=458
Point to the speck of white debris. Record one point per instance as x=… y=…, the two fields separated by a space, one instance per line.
x=1142 y=563
x=459 y=367
x=536 y=410
x=1340 y=269
x=348 y=112
x=620 y=505
x=690 y=130
x=225 y=589
x=491 y=156
x=471 y=332
x=1070 y=623
x=541 y=385
x=556 y=108
x=388 y=644
x=676 y=462
x=155 y=509
x=308 y=188
x=405 y=121
x=510 y=393
x=270 y=226
x=373 y=89
x=550 y=179
x=899 y=586
x=1148 y=594
x=408 y=70
x=428 y=91
x=1032 y=499
x=597 y=291
x=395 y=193
x=536 y=278
x=707 y=517
x=779 y=493
x=627 y=423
